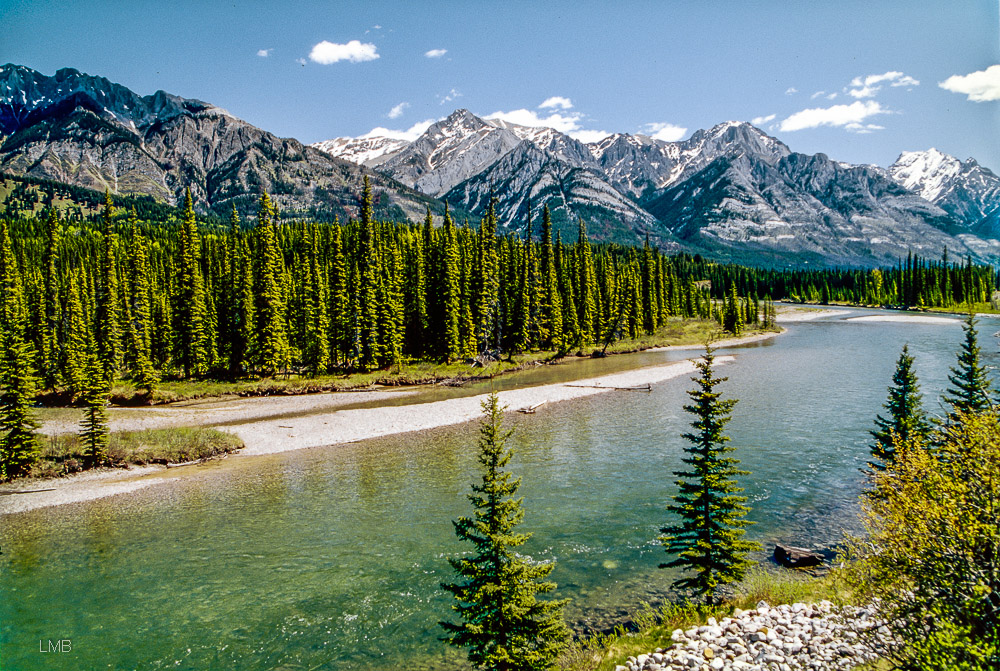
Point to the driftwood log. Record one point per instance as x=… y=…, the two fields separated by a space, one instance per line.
x=793 y=557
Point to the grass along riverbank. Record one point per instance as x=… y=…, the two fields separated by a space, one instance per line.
x=412 y=373
x=64 y=454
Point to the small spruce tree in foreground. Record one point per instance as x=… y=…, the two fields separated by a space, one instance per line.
x=504 y=626
x=907 y=420
x=708 y=541
x=94 y=427
x=970 y=385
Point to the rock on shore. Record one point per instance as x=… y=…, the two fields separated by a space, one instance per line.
x=783 y=638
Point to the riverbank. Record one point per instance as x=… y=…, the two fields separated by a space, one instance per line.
x=280 y=424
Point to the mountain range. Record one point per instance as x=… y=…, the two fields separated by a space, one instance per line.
x=730 y=191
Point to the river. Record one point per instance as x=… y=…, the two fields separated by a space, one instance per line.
x=332 y=557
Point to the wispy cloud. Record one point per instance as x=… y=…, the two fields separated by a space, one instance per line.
x=327 y=53
x=817 y=95
x=667 y=132
x=588 y=136
x=867 y=87
x=557 y=101
x=410 y=134
x=435 y=53
x=980 y=86
x=451 y=95
x=564 y=123
x=761 y=120
x=851 y=117
x=397 y=111
x=264 y=53
x=791 y=90
x=569 y=123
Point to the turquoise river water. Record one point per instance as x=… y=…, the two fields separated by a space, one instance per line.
x=331 y=558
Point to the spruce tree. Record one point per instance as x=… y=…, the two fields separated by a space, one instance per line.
x=94 y=427
x=907 y=420
x=551 y=305
x=708 y=540
x=451 y=289
x=970 y=391
x=504 y=625
x=106 y=326
x=271 y=337
x=589 y=319
x=51 y=354
x=18 y=442
x=141 y=321
x=189 y=301
x=369 y=267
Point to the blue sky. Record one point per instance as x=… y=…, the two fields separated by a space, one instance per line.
x=859 y=81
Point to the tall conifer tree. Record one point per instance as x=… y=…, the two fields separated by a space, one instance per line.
x=907 y=420
x=189 y=307
x=504 y=625
x=106 y=326
x=708 y=539
x=272 y=329
x=970 y=390
x=18 y=443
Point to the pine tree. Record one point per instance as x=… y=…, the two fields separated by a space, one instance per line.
x=451 y=290
x=189 y=301
x=94 y=427
x=589 y=319
x=505 y=626
x=369 y=266
x=18 y=442
x=551 y=306
x=51 y=354
x=709 y=539
x=271 y=338
x=907 y=420
x=141 y=321
x=107 y=329
x=970 y=391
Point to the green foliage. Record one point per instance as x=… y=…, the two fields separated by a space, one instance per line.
x=18 y=442
x=189 y=301
x=709 y=539
x=94 y=426
x=503 y=624
x=907 y=420
x=931 y=556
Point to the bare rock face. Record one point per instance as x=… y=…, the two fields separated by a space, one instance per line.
x=87 y=131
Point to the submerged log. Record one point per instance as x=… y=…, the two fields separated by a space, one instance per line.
x=530 y=410
x=793 y=557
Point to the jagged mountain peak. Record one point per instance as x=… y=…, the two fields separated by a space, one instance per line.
x=926 y=172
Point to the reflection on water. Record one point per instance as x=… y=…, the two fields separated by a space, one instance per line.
x=332 y=557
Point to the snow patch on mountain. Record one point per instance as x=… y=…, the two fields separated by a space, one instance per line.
x=926 y=172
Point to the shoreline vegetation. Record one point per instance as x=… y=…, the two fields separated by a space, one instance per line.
x=156 y=436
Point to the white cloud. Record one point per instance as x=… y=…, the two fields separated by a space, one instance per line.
x=435 y=53
x=327 y=53
x=564 y=123
x=667 y=132
x=761 y=120
x=863 y=128
x=264 y=53
x=410 y=134
x=846 y=116
x=557 y=101
x=832 y=96
x=867 y=87
x=791 y=90
x=588 y=136
x=397 y=111
x=981 y=86
x=451 y=95
x=817 y=95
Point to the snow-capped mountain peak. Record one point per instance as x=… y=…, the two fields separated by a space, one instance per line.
x=926 y=172
x=368 y=151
